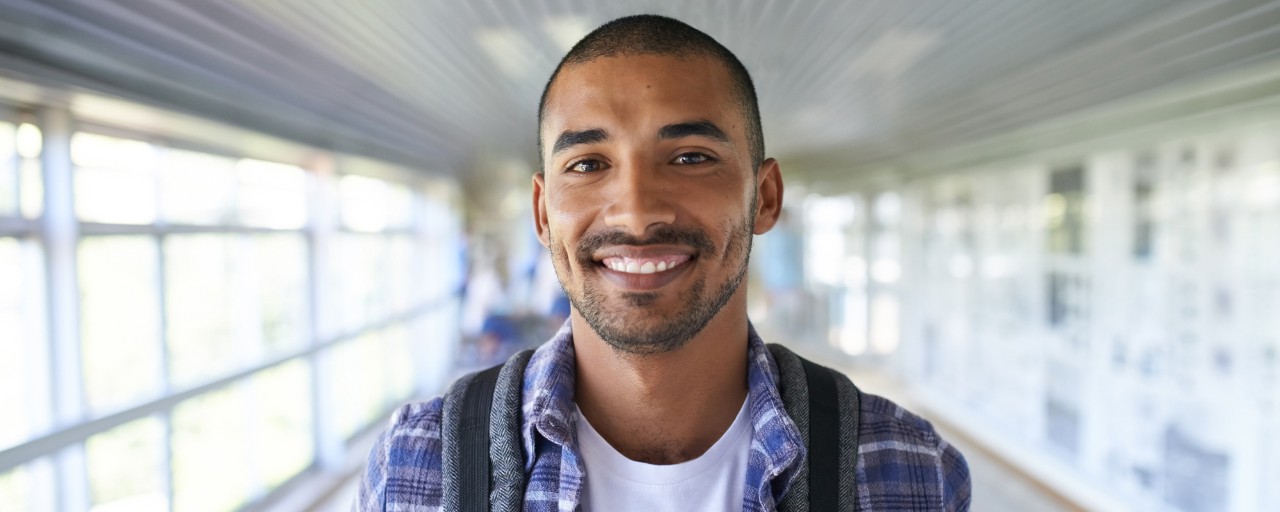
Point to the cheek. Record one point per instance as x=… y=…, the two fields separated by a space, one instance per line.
x=563 y=233
x=567 y=221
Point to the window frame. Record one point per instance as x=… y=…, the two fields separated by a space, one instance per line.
x=59 y=232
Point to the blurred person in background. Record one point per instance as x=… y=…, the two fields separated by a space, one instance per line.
x=657 y=393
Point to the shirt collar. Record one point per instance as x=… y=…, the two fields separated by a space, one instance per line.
x=548 y=409
x=774 y=435
x=547 y=405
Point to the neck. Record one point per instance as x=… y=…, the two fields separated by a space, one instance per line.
x=665 y=408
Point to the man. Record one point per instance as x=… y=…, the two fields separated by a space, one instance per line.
x=657 y=394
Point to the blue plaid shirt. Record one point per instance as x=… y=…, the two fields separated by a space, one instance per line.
x=902 y=463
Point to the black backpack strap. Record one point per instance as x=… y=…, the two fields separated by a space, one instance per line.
x=850 y=400
x=483 y=469
x=824 y=438
x=824 y=404
x=473 y=467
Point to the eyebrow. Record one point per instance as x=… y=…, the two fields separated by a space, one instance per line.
x=569 y=139
x=704 y=128
x=693 y=128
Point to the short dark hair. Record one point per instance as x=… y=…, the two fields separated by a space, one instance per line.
x=650 y=34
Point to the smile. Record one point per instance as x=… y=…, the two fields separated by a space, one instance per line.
x=644 y=265
x=643 y=268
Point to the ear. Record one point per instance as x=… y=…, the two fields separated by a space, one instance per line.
x=540 y=209
x=768 y=196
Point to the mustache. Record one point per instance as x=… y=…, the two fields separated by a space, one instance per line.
x=666 y=235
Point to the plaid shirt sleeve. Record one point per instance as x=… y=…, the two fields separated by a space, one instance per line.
x=903 y=464
x=405 y=462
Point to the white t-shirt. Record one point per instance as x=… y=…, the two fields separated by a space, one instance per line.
x=713 y=481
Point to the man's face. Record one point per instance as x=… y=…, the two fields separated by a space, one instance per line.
x=648 y=199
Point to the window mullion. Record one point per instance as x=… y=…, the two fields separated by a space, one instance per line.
x=61 y=235
x=330 y=447
x=166 y=386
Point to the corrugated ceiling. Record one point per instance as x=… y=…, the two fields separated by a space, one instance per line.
x=453 y=86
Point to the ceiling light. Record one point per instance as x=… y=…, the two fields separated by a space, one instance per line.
x=895 y=51
x=566 y=31
x=510 y=51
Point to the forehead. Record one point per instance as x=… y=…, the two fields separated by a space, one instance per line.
x=637 y=89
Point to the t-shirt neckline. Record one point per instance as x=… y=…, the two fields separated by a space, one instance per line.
x=594 y=446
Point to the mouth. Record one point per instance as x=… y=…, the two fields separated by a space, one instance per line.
x=643 y=268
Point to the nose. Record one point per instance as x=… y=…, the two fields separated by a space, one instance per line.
x=640 y=200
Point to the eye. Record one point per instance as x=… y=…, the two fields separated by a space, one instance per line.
x=692 y=159
x=585 y=166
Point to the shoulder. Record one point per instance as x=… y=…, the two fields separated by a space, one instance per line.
x=406 y=455
x=902 y=457
x=414 y=427
x=883 y=421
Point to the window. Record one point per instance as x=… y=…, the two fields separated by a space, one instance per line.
x=1065 y=211
x=379 y=282
x=231 y=300
x=270 y=195
x=22 y=341
x=21 y=188
x=197 y=188
x=192 y=333
x=119 y=320
x=114 y=179
x=126 y=466
x=24 y=383
x=28 y=487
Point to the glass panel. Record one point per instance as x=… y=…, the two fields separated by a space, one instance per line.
x=196 y=188
x=885 y=323
x=126 y=467
x=271 y=195
x=231 y=299
x=119 y=319
x=23 y=390
x=8 y=147
x=200 y=307
x=31 y=188
x=282 y=430
x=278 y=273
x=360 y=385
x=401 y=285
x=1064 y=211
x=21 y=157
x=28 y=141
x=827 y=219
x=113 y=180
x=372 y=205
x=399 y=365
x=8 y=171
x=211 y=464
x=29 y=487
x=363 y=272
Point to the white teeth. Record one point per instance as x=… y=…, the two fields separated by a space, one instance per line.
x=636 y=267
